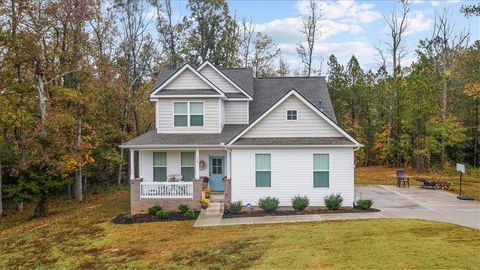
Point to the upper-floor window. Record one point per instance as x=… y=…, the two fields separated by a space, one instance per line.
x=292 y=115
x=188 y=114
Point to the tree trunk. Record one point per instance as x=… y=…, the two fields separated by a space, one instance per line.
x=77 y=192
x=41 y=209
x=1 y=202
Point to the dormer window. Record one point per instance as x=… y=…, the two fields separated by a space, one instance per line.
x=292 y=115
x=188 y=114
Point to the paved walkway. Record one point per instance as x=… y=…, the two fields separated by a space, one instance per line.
x=411 y=203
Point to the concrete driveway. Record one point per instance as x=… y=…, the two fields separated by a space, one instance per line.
x=418 y=203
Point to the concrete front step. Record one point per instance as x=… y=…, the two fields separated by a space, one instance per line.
x=217 y=198
x=214 y=208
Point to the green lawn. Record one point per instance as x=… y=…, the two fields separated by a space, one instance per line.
x=81 y=236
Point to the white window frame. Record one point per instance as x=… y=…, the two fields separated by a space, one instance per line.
x=296 y=114
x=256 y=170
x=188 y=114
x=313 y=169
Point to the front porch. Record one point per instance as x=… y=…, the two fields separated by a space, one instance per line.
x=170 y=177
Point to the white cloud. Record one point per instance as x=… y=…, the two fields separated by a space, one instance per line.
x=346 y=11
x=418 y=22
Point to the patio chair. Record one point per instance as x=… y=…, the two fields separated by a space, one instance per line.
x=402 y=178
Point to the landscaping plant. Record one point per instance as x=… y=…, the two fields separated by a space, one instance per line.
x=204 y=203
x=364 y=203
x=161 y=215
x=154 y=209
x=299 y=203
x=235 y=207
x=183 y=208
x=333 y=201
x=128 y=219
x=269 y=204
x=189 y=214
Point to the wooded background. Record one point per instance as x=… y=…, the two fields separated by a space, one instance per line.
x=75 y=78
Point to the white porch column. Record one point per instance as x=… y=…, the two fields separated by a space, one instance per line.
x=197 y=165
x=132 y=164
x=227 y=164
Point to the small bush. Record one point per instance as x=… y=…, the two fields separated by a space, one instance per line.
x=364 y=203
x=154 y=209
x=162 y=214
x=128 y=219
x=333 y=201
x=189 y=214
x=235 y=207
x=269 y=204
x=183 y=208
x=299 y=203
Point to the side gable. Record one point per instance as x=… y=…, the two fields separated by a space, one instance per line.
x=222 y=81
x=186 y=78
x=311 y=122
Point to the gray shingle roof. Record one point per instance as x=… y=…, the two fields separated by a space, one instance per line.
x=269 y=90
x=243 y=77
x=153 y=138
x=163 y=76
x=166 y=92
x=235 y=95
x=294 y=141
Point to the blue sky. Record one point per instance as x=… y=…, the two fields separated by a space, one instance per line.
x=348 y=27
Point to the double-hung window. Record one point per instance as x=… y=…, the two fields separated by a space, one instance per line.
x=263 y=173
x=321 y=173
x=188 y=114
x=188 y=165
x=180 y=114
x=196 y=114
x=159 y=166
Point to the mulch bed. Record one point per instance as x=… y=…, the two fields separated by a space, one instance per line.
x=287 y=212
x=143 y=218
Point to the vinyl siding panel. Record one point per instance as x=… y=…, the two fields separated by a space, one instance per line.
x=187 y=80
x=292 y=174
x=236 y=112
x=309 y=123
x=173 y=162
x=222 y=112
x=164 y=116
x=217 y=79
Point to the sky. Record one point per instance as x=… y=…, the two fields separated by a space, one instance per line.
x=347 y=27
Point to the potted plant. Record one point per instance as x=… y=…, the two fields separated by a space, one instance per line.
x=207 y=193
x=204 y=203
x=205 y=179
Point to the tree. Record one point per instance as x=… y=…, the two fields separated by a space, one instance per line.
x=310 y=29
x=470 y=10
x=247 y=35
x=283 y=68
x=213 y=34
x=265 y=50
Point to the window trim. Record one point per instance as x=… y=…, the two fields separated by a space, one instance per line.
x=188 y=113
x=256 y=170
x=155 y=166
x=192 y=167
x=296 y=115
x=313 y=169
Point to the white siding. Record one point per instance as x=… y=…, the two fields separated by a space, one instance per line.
x=173 y=162
x=187 y=80
x=292 y=174
x=309 y=123
x=222 y=113
x=236 y=112
x=164 y=116
x=217 y=79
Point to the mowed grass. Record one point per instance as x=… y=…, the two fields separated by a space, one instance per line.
x=81 y=236
x=379 y=175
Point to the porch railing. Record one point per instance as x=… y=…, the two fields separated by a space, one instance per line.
x=166 y=190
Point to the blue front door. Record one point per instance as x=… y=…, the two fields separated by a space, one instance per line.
x=217 y=172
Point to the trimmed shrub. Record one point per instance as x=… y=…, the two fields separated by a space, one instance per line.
x=269 y=204
x=235 y=207
x=189 y=214
x=162 y=214
x=183 y=208
x=154 y=209
x=333 y=201
x=364 y=203
x=299 y=203
x=128 y=219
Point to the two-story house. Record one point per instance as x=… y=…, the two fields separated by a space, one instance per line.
x=253 y=137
